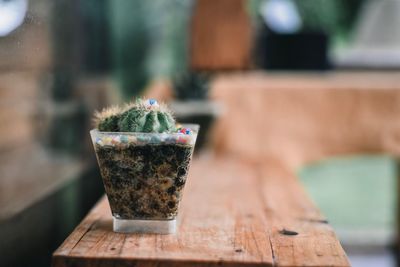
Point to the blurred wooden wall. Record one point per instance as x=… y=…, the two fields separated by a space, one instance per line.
x=300 y=118
x=24 y=55
x=220 y=35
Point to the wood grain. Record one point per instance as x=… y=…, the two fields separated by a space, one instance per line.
x=290 y=211
x=232 y=214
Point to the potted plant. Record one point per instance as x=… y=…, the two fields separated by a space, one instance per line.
x=192 y=103
x=144 y=159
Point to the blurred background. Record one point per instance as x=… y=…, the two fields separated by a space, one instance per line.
x=313 y=83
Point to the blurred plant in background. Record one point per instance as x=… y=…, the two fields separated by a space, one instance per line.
x=329 y=16
x=129 y=44
x=335 y=18
x=149 y=39
x=191 y=85
x=95 y=18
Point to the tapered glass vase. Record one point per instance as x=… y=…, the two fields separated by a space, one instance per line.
x=144 y=175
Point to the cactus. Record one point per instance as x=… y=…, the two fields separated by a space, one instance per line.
x=141 y=116
x=138 y=119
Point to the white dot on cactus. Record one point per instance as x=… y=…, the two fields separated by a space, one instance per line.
x=152 y=102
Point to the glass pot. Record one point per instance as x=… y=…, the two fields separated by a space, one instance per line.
x=144 y=175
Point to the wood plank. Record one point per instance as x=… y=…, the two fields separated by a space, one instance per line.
x=299 y=234
x=230 y=216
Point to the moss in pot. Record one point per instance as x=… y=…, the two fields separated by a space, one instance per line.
x=144 y=159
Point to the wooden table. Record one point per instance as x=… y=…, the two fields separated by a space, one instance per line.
x=233 y=213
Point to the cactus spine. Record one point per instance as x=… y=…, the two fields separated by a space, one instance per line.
x=145 y=116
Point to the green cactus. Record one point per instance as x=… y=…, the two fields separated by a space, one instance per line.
x=109 y=124
x=142 y=116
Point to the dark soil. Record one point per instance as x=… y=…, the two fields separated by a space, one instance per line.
x=144 y=181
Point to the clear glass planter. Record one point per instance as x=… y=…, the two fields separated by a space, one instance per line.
x=144 y=175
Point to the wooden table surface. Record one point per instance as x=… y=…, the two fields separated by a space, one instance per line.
x=233 y=213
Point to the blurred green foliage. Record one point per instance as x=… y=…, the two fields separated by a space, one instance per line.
x=354 y=192
x=129 y=44
x=148 y=38
x=95 y=22
x=138 y=40
x=330 y=16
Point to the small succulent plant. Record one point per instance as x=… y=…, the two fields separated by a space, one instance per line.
x=146 y=116
x=191 y=85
